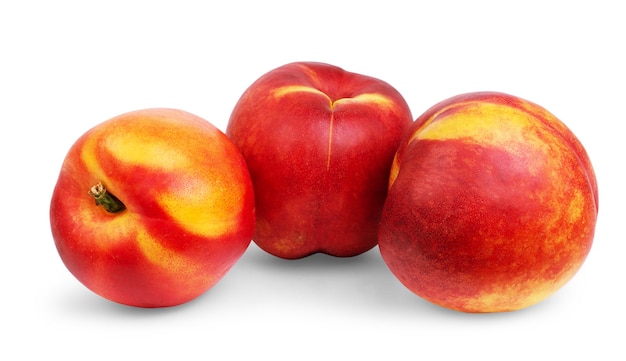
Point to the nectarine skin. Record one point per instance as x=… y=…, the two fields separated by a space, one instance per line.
x=492 y=204
x=188 y=216
x=319 y=142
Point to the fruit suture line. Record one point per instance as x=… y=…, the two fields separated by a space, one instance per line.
x=105 y=199
x=330 y=140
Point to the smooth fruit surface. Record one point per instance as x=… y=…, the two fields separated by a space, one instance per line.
x=492 y=204
x=188 y=208
x=319 y=142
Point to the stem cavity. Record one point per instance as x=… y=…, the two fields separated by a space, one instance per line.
x=105 y=199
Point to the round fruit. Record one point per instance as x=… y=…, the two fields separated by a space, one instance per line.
x=152 y=208
x=492 y=204
x=319 y=142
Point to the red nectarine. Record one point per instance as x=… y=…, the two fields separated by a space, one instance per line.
x=318 y=142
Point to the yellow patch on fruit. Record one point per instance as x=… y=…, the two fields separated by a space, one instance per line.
x=493 y=125
x=374 y=98
x=511 y=297
x=282 y=91
x=88 y=157
x=146 y=151
x=576 y=206
x=169 y=260
x=488 y=124
x=208 y=211
x=395 y=170
x=160 y=255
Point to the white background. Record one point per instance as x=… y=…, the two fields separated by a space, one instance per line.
x=66 y=66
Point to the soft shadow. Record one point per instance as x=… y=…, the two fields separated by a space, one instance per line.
x=363 y=283
x=79 y=301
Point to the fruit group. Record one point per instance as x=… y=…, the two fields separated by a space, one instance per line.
x=492 y=204
x=183 y=208
x=318 y=142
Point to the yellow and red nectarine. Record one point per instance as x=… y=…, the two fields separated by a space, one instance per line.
x=492 y=204
x=152 y=208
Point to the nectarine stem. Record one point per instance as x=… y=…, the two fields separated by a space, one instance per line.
x=105 y=199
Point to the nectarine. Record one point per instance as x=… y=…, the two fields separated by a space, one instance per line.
x=319 y=142
x=152 y=208
x=492 y=204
